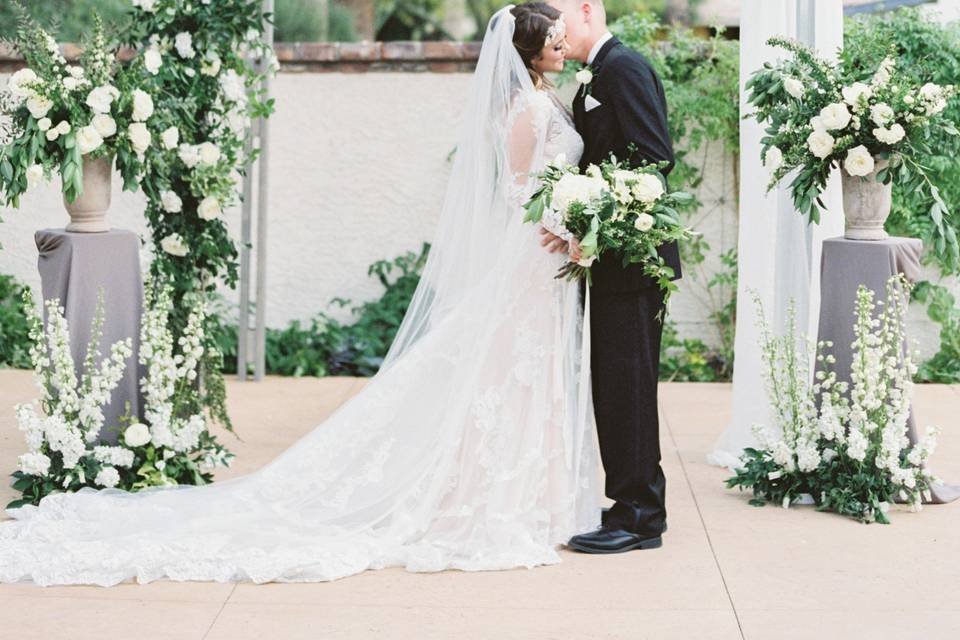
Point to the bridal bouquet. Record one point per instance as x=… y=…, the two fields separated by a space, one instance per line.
x=865 y=120
x=53 y=113
x=852 y=456
x=612 y=210
x=172 y=446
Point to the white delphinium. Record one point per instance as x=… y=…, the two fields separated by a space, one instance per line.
x=115 y=456
x=34 y=464
x=108 y=477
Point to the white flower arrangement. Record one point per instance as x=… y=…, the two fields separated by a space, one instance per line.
x=172 y=445
x=852 y=456
x=821 y=115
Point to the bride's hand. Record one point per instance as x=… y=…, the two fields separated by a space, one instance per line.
x=574 y=250
x=552 y=242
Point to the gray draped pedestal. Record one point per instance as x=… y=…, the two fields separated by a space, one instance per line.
x=74 y=267
x=845 y=265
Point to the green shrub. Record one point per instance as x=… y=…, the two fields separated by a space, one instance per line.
x=14 y=329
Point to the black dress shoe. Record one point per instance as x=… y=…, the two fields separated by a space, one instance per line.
x=605 y=540
x=604 y=514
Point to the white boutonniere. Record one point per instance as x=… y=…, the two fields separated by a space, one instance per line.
x=585 y=77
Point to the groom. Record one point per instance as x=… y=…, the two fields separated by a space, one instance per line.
x=622 y=111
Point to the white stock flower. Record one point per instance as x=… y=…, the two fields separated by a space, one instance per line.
x=88 y=139
x=209 y=208
x=644 y=222
x=101 y=98
x=34 y=464
x=104 y=124
x=170 y=138
x=174 y=245
x=184 y=44
x=859 y=161
x=115 y=456
x=773 y=159
x=189 y=155
x=34 y=176
x=881 y=113
x=209 y=153
x=857 y=445
x=136 y=435
x=820 y=143
x=835 y=116
x=893 y=135
x=153 y=60
x=648 y=188
x=794 y=87
x=108 y=477
x=39 y=106
x=853 y=94
x=139 y=137
x=142 y=105
x=171 y=202
x=584 y=76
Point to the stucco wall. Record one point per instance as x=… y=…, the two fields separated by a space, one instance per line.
x=358 y=169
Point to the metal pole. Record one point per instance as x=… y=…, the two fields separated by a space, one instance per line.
x=246 y=227
x=263 y=192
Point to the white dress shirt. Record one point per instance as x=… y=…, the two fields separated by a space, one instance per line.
x=597 y=46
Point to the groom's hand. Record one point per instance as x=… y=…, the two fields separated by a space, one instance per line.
x=552 y=242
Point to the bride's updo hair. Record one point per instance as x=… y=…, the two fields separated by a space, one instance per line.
x=533 y=22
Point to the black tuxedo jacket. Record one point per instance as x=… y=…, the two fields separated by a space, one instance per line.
x=632 y=111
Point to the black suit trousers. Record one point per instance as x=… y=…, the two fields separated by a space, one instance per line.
x=625 y=361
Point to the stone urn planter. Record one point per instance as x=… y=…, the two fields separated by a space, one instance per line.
x=88 y=213
x=866 y=204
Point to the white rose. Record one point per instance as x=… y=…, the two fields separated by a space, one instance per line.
x=152 y=60
x=171 y=202
x=881 y=113
x=648 y=188
x=108 y=477
x=893 y=135
x=34 y=175
x=184 y=44
x=75 y=71
x=586 y=261
x=859 y=161
x=584 y=76
x=160 y=465
x=209 y=153
x=773 y=159
x=88 y=139
x=170 y=138
x=936 y=107
x=20 y=83
x=210 y=65
x=820 y=143
x=53 y=134
x=233 y=86
x=104 y=124
x=644 y=222
x=908 y=99
x=146 y=5
x=70 y=83
x=100 y=99
x=39 y=106
x=136 y=435
x=139 y=137
x=931 y=91
x=64 y=128
x=142 y=105
x=189 y=155
x=856 y=91
x=794 y=87
x=44 y=123
x=817 y=123
x=835 y=116
x=209 y=208
x=174 y=245
x=572 y=188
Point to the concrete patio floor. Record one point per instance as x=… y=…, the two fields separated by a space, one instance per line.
x=726 y=571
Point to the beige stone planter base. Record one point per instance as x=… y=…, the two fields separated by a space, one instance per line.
x=866 y=204
x=88 y=213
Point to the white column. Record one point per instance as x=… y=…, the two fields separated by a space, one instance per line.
x=779 y=254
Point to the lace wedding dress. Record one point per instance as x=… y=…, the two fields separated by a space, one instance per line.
x=473 y=448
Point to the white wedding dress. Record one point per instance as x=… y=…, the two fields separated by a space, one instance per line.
x=473 y=448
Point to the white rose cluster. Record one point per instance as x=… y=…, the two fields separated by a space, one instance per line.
x=572 y=187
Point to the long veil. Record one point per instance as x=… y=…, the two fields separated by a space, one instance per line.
x=470 y=449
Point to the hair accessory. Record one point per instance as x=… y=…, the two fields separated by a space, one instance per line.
x=555 y=32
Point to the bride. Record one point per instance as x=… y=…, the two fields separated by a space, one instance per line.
x=473 y=447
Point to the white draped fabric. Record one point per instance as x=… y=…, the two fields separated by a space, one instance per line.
x=779 y=254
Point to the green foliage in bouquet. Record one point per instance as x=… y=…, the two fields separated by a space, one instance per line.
x=614 y=212
x=850 y=116
x=852 y=455
x=14 y=325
